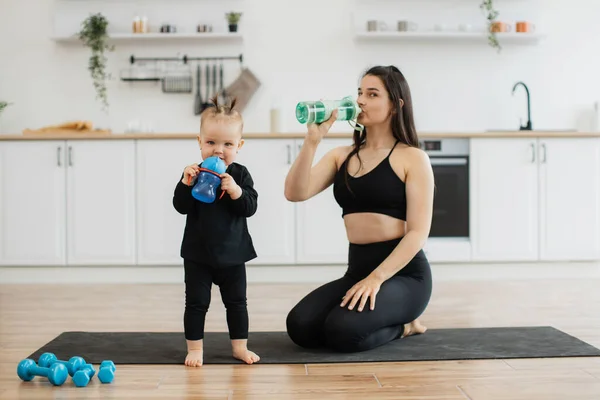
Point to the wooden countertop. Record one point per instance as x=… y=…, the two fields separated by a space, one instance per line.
x=422 y=135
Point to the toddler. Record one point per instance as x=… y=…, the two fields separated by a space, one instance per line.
x=216 y=243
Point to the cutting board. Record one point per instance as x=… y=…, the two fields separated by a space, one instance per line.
x=74 y=132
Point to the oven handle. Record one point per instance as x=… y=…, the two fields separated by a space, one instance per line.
x=448 y=161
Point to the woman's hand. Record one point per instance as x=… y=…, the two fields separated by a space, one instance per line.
x=362 y=291
x=317 y=131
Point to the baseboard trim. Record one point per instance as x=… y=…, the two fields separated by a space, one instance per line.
x=293 y=273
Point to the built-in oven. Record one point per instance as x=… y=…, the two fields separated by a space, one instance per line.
x=450 y=162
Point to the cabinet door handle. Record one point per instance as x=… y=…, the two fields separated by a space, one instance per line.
x=543 y=153
x=70 y=156
x=58 y=152
x=289 y=153
x=532 y=152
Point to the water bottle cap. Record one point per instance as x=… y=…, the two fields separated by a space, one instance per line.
x=302 y=112
x=214 y=164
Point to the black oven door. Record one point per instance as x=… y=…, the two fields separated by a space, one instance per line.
x=451 y=196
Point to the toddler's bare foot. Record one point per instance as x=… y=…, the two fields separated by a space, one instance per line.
x=195 y=353
x=413 y=328
x=241 y=352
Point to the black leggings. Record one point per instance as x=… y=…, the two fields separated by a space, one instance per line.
x=198 y=283
x=319 y=321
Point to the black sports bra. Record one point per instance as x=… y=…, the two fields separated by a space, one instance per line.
x=379 y=191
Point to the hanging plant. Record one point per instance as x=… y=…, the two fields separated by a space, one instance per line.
x=93 y=35
x=491 y=14
x=3 y=105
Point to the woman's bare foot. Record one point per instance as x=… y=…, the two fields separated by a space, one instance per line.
x=413 y=328
x=195 y=353
x=241 y=352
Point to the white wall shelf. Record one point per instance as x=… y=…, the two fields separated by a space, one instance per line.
x=503 y=38
x=118 y=37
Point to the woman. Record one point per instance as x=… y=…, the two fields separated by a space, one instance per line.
x=384 y=184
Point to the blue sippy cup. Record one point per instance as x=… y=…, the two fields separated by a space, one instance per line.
x=209 y=179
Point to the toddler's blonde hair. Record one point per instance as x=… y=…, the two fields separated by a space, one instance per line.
x=222 y=112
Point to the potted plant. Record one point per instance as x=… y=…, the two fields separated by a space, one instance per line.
x=93 y=35
x=491 y=14
x=232 y=19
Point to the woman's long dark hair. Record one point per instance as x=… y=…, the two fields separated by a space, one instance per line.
x=403 y=123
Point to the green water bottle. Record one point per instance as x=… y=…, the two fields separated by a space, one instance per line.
x=309 y=112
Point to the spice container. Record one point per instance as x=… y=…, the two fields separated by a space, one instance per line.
x=136 y=24
x=144 y=25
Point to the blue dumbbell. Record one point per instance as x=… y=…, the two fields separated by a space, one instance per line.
x=83 y=376
x=106 y=372
x=73 y=365
x=56 y=373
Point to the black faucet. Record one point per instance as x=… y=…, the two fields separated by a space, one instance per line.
x=528 y=126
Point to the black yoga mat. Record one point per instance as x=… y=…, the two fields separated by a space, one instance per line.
x=277 y=348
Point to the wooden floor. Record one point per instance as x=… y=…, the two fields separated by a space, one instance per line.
x=30 y=316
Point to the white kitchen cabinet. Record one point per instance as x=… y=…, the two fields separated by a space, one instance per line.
x=32 y=203
x=109 y=202
x=529 y=200
x=67 y=202
x=100 y=202
x=504 y=199
x=320 y=232
x=159 y=165
x=160 y=228
x=569 y=198
x=273 y=226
